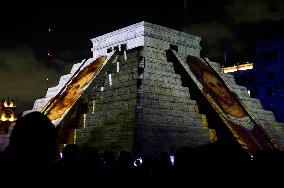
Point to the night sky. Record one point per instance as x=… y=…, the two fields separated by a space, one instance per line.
x=231 y=26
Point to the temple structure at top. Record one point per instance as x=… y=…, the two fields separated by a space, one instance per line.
x=147 y=90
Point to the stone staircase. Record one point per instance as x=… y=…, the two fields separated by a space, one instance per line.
x=264 y=117
x=53 y=91
x=146 y=103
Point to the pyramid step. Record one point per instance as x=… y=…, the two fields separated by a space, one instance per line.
x=241 y=91
x=228 y=78
x=215 y=65
x=40 y=103
x=262 y=114
x=252 y=103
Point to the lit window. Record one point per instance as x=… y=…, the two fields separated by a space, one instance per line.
x=94 y=106
x=125 y=56
x=110 y=80
x=102 y=88
x=84 y=120
x=117 y=66
x=248 y=92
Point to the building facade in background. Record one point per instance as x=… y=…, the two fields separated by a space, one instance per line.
x=264 y=79
x=269 y=76
x=8 y=118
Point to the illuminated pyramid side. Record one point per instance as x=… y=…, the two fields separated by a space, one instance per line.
x=265 y=118
x=148 y=35
x=140 y=101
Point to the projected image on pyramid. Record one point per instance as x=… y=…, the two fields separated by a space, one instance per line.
x=64 y=101
x=213 y=86
x=147 y=90
x=247 y=132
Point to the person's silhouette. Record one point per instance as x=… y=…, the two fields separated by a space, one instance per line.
x=32 y=144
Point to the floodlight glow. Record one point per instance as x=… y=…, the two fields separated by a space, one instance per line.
x=110 y=80
x=234 y=68
x=138 y=161
x=172 y=159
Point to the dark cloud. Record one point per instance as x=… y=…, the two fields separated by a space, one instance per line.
x=254 y=11
x=213 y=34
x=231 y=26
x=234 y=26
x=23 y=77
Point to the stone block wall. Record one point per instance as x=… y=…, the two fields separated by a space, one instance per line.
x=168 y=118
x=138 y=102
x=144 y=108
x=110 y=119
x=147 y=35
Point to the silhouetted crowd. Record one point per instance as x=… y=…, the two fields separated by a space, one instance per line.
x=31 y=155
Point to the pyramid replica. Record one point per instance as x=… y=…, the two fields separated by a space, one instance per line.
x=145 y=91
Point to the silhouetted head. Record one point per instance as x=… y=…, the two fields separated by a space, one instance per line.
x=33 y=139
x=124 y=158
x=165 y=159
x=71 y=152
x=109 y=157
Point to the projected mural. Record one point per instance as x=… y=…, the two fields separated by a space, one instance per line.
x=247 y=132
x=62 y=102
